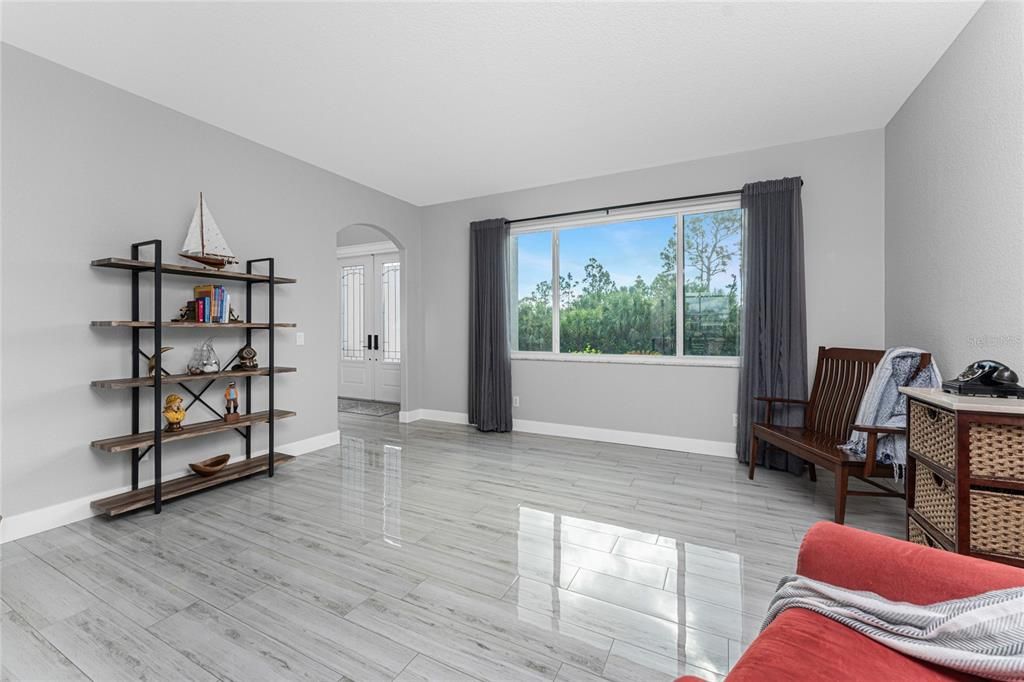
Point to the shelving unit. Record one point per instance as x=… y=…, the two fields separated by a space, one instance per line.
x=139 y=443
x=170 y=324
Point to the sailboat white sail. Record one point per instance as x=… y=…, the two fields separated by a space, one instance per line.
x=204 y=243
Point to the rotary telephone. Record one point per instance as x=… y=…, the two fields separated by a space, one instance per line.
x=985 y=377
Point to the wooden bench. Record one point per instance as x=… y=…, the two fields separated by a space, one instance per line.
x=840 y=379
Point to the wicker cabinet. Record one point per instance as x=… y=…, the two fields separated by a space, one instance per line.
x=965 y=474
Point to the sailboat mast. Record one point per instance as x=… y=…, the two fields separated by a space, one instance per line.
x=202 y=232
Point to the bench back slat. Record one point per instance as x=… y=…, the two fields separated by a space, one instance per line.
x=841 y=377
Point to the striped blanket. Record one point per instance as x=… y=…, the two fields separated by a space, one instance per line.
x=981 y=635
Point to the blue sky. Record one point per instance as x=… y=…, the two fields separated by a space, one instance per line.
x=625 y=249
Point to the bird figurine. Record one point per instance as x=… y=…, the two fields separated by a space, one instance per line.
x=152 y=360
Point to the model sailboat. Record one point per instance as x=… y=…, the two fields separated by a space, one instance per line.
x=204 y=243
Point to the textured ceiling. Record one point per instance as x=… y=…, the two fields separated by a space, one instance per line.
x=435 y=102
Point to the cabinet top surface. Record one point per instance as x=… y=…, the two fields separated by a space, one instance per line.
x=965 y=403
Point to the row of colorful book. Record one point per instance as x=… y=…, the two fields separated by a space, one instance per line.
x=212 y=303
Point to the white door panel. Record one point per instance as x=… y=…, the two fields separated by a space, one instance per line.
x=370 y=357
x=387 y=380
x=355 y=278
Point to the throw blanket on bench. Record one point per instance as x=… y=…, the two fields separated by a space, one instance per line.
x=884 y=405
x=981 y=635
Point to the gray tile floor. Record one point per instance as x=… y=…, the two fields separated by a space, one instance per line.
x=423 y=552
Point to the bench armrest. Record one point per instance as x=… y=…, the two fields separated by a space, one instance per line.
x=873 y=433
x=771 y=404
x=884 y=430
x=792 y=401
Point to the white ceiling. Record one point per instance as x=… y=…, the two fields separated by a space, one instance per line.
x=435 y=102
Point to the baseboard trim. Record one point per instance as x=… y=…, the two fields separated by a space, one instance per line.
x=433 y=416
x=311 y=444
x=39 y=520
x=659 y=441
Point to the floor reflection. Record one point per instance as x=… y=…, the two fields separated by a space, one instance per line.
x=686 y=599
x=391 y=524
x=365 y=471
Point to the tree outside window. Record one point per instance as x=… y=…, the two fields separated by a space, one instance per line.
x=618 y=286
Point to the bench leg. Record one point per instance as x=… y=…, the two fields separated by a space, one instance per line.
x=842 y=481
x=753 y=457
x=812 y=472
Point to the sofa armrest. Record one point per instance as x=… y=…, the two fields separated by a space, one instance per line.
x=895 y=569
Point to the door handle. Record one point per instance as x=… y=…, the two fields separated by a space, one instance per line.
x=376 y=346
x=369 y=342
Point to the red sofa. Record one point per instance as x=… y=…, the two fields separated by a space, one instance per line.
x=801 y=645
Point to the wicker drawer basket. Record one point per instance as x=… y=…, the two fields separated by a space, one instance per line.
x=997 y=451
x=933 y=434
x=919 y=536
x=935 y=500
x=997 y=523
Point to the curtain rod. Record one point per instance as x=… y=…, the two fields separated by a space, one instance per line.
x=607 y=209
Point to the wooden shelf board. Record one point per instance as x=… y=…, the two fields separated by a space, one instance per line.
x=148 y=324
x=169 y=490
x=129 y=382
x=141 y=440
x=191 y=271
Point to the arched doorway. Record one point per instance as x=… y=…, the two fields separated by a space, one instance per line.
x=371 y=317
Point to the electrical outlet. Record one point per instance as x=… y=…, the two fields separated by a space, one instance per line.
x=515 y=401
x=300 y=338
x=735 y=419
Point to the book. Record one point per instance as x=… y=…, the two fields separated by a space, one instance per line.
x=217 y=308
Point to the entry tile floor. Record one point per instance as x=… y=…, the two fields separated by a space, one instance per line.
x=423 y=552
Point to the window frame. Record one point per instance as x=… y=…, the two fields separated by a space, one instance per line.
x=675 y=209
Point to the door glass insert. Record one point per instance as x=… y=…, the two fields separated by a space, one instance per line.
x=390 y=311
x=353 y=278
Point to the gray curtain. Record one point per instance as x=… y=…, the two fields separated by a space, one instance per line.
x=490 y=358
x=774 y=346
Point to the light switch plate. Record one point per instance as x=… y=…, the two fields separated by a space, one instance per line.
x=300 y=338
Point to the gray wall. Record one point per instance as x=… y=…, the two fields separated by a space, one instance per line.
x=360 y=234
x=843 y=211
x=87 y=169
x=954 y=200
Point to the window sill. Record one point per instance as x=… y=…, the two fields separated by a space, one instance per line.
x=690 y=361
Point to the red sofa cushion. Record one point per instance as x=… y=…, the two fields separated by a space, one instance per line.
x=801 y=645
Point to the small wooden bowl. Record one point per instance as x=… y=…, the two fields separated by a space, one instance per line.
x=208 y=467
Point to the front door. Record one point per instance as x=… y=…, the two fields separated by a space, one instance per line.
x=370 y=358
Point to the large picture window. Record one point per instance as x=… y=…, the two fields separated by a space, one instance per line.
x=612 y=286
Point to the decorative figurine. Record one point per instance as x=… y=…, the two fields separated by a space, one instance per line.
x=152 y=360
x=246 y=358
x=187 y=312
x=204 y=359
x=232 y=315
x=231 y=403
x=174 y=413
